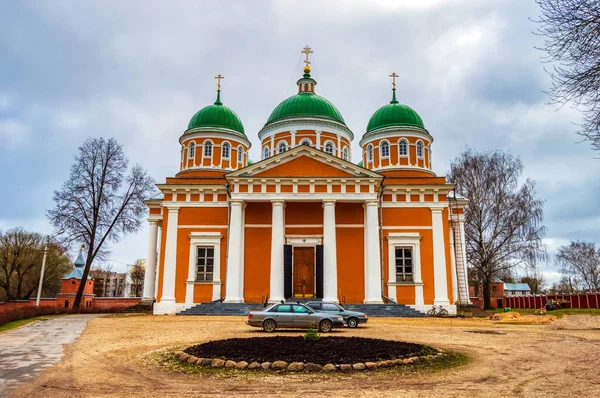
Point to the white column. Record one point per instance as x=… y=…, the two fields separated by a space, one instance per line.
x=453 y=266
x=439 y=259
x=167 y=300
x=234 y=255
x=463 y=252
x=277 y=241
x=149 y=272
x=373 y=265
x=242 y=251
x=419 y=296
x=329 y=252
x=158 y=253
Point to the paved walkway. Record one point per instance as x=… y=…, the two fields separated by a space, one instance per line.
x=27 y=351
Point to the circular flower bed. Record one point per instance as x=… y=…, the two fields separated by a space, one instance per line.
x=294 y=354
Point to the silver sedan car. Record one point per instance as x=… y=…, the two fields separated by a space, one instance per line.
x=293 y=315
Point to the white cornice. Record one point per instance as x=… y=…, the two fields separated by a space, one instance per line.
x=214 y=132
x=305 y=123
x=396 y=132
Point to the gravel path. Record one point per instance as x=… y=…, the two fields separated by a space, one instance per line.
x=27 y=351
x=521 y=360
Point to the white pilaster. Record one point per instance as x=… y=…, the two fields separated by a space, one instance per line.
x=329 y=252
x=453 y=266
x=242 y=251
x=277 y=242
x=234 y=255
x=149 y=272
x=167 y=301
x=439 y=259
x=373 y=266
x=158 y=254
x=463 y=260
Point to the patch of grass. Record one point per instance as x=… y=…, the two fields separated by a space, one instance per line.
x=20 y=322
x=559 y=313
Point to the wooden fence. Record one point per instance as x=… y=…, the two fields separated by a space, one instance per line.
x=539 y=301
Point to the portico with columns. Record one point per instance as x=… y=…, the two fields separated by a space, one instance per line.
x=305 y=222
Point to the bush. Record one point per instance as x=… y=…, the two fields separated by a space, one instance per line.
x=312 y=335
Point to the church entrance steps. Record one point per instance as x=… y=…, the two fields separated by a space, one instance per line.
x=242 y=309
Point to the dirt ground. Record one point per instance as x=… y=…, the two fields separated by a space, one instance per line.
x=528 y=357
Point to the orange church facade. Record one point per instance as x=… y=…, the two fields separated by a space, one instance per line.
x=305 y=221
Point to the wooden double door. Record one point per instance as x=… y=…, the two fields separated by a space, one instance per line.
x=304 y=272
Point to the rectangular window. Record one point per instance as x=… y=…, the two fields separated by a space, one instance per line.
x=404 y=264
x=205 y=260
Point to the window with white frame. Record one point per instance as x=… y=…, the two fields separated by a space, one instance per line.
x=419 y=149
x=208 y=147
x=266 y=152
x=345 y=153
x=192 y=150
x=225 y=150
x=404 y=263
x=281 y=147
x=369 y=153
x=205 y=261
x=385 y=149
x=240 y=154
x=403 y=148
x=306 y=142
x=329 y=148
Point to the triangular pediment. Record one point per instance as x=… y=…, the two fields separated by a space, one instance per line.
x=304 y=161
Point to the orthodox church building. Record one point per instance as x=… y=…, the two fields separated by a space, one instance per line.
x=304 y=221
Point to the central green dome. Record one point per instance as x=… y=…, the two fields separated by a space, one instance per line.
x=306 y=104
x=394 y=114
x=217 y=115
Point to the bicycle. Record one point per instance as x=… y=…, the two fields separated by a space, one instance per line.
x=438 y=311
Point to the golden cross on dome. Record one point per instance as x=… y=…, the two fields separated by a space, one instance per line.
x=306 y=50
x=394 y=76
x=219 y=77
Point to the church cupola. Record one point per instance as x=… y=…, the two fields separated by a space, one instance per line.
x=214 y=139
x=396 y=140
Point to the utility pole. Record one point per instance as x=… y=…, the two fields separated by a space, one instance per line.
x=39 y=294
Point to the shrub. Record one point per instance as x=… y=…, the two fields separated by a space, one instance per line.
x=312 y=335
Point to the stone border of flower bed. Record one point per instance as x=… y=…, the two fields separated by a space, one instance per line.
x=301 y=366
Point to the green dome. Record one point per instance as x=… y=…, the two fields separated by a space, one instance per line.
x=394 y=114
x=217 y=115
x=306 y=104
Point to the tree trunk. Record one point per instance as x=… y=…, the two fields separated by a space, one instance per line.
x=487 y=281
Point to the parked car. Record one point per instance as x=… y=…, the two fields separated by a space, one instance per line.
x=293 y=315
x=351 y=318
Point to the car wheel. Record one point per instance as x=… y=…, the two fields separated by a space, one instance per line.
x=325 y=326
x=269 y=326
x=352 y=322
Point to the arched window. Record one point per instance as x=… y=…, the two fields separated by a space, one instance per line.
x=208 y=149
x=385 y=149
x=266 y=152
x=306 y=142
x=420 y=149
x=403 y=148
x=329 y=148
x=281 y=147
x=345 y=153
x=370 y=153
x=225 y=150
x=240 y=154
x=192 y=151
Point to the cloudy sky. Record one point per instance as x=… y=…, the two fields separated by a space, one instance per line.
x=138 y=71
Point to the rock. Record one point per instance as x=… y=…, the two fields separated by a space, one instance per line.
x=207 y=361
x=217 y=363
x=254 y=365
x=329 y=367
x=345 y=367
x=178 y=354
x=296 y=367
x=230 y=364
x=313 y=367
x=192 y=359
x=371 y=365
x=414 y=359
x=242 y=365
x=279 y=365
x=359 y=366
x=199 y=361
x=382 y=364
x=265 y=365
x=407 y=361
x=390 y=363
x=398 y=362
x=184 y=357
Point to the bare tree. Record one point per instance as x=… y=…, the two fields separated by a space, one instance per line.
x=536 y=281
x=101 y=273
x=503 y=219
x=572 y=44
x=137 y=277
x=581 y=260
x=102 y=201
x=21 y=255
